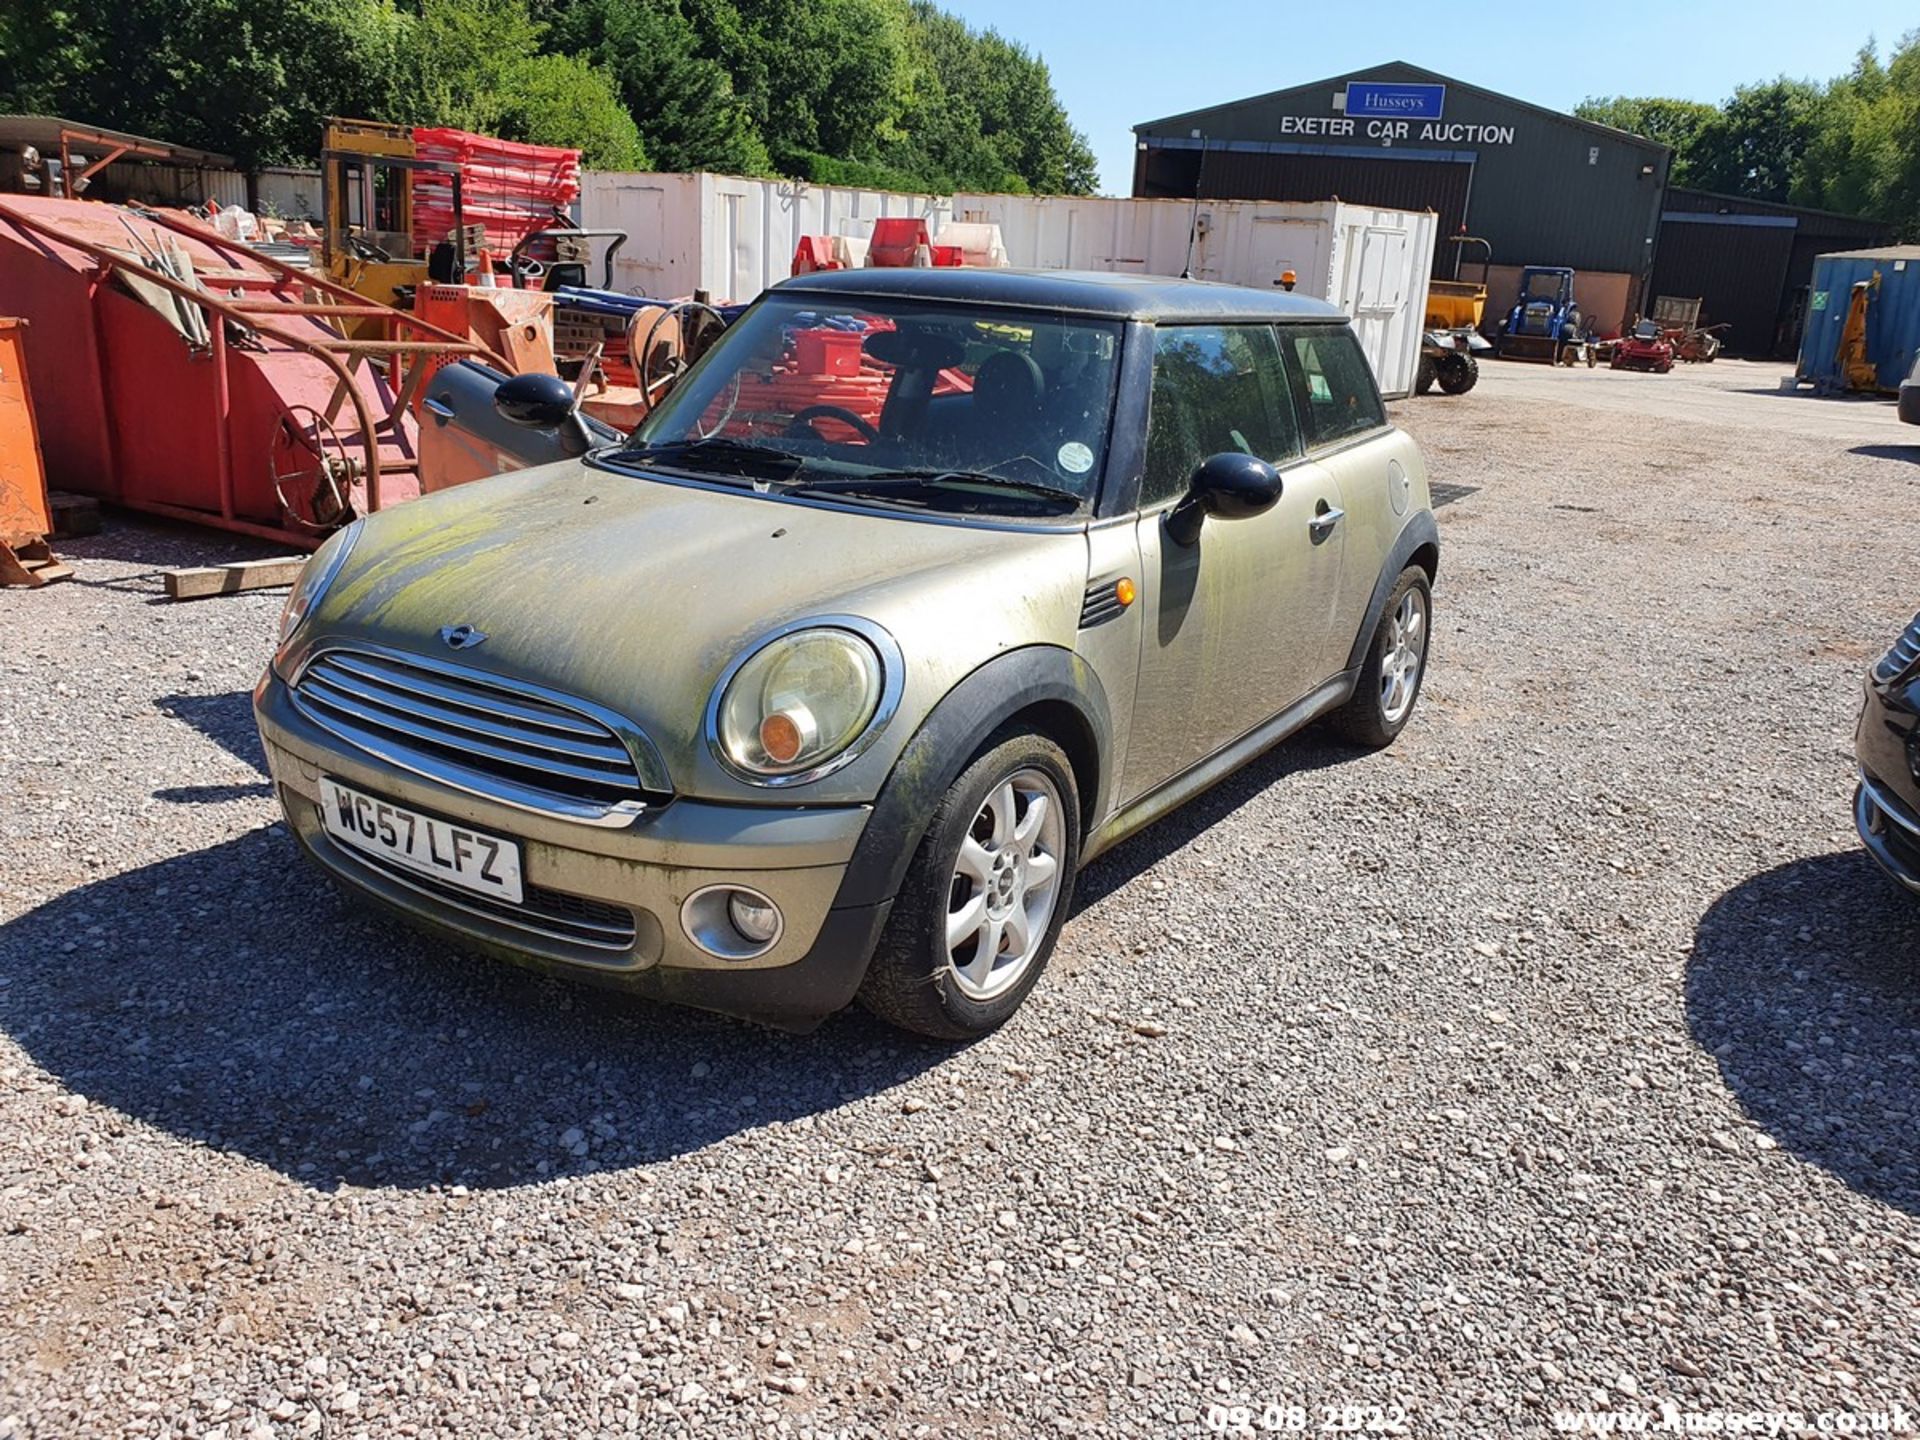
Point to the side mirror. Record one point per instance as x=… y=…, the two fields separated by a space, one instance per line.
x=535 y=400
x=1230 y=485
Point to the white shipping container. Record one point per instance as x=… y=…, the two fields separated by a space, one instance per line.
x=733 y=237
x=1372 y=263
x=724 y=234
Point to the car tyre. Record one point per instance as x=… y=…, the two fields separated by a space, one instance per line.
x=985 y=896
x=1424 y=375
x=1396 y=665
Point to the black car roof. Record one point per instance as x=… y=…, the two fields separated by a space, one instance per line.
x=1086 y=292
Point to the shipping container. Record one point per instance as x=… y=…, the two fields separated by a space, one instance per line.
x=734 y=237
x=729 y=236
x=1893 y=314
x=1372 y=263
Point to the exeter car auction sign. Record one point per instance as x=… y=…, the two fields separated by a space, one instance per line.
x=1389 y=113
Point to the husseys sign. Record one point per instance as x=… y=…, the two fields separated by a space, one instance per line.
x=1389 y=113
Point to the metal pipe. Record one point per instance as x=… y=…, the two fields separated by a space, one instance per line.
x=241 y=527
x=217 y=241
x=222 y=412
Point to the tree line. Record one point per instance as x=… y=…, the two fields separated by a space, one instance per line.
x=894 y=94
x=1851 y=144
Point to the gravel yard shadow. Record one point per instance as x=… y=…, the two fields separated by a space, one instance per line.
x=232 y=998
x=1889 y=452
x=1312 y=749
x=1805 y=987
x=227 y=720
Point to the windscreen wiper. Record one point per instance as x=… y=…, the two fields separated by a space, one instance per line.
x=715 y=448
x=936 y=478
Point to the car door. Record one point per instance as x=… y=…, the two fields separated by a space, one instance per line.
x=1346 y=433
x=1237 y=624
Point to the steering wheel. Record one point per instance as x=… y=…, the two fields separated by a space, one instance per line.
x=802 y=423
x=364 y=249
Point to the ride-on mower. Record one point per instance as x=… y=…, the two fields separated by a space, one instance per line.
x=1546 y=324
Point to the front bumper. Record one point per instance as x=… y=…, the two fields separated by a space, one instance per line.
x=603 y=904
x=1886 y=807
x=1890 y=831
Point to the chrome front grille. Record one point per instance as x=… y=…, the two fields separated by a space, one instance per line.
x=549 y=914
x=500 y=739
x=1903 y=657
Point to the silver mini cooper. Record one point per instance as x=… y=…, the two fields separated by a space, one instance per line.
x=920 y=590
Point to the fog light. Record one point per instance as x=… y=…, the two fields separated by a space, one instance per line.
x=732 y=922
x=756 y=919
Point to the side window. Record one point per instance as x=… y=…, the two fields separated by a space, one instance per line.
x=1335 y=384
x=1215 y=388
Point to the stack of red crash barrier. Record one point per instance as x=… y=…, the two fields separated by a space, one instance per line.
x=509 y=188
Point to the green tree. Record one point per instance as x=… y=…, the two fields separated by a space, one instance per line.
x=248 y=77
x=562 y=100
x=1674 y=123
x=1756 y=144
x=682 y=101
x=1864 y=157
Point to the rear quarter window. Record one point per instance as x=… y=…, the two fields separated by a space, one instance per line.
x=1333 y=383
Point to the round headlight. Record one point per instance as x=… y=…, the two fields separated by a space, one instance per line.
x=798 y=703
x=315 y=576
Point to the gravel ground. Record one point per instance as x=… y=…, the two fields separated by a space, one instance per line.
x=1566 y=1055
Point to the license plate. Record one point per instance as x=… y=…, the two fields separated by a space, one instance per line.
x=453 y=854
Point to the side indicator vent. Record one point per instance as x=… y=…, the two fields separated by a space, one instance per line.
x=1106 y=600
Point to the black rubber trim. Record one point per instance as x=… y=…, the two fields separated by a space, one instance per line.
x=1420 y=530
x=794 y=997
x=947 y=740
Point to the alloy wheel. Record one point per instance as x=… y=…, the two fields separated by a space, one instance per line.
x=1405 y=653
x=1006 y=882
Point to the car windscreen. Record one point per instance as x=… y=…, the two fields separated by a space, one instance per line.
x=899 y=401
x=1543 y=287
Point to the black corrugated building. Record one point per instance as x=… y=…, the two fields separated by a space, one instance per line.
x=1543 y=187
x=1750 y=263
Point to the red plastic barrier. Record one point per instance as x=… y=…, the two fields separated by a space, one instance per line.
x=509 y=188
x=895 y=238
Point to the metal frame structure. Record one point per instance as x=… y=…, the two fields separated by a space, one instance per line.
x=339 y=353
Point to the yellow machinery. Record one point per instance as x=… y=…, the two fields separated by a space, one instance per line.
x=1856 y=368
x=366 y=182
x=1455 y=304
x=1458 y=304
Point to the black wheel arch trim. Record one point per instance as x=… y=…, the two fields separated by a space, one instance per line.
x=1420 y=530
x=946 y=742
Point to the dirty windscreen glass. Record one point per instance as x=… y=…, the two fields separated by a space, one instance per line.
x=1543 y=287
x=896 y=401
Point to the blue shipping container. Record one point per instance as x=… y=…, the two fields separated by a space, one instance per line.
x=1893 y=314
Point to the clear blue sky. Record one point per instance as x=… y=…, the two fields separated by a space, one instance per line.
x=1119 y=62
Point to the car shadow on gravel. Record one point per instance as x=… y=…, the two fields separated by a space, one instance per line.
x=226 y=720
x=1889 y=452
x=1805 y=988
x=1313 y=749
x=232 y=998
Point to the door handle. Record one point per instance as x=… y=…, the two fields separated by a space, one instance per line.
x=1324 y=519
x=439 y=409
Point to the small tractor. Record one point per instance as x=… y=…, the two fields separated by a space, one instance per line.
x=1546 y=324
x=1451 y=344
